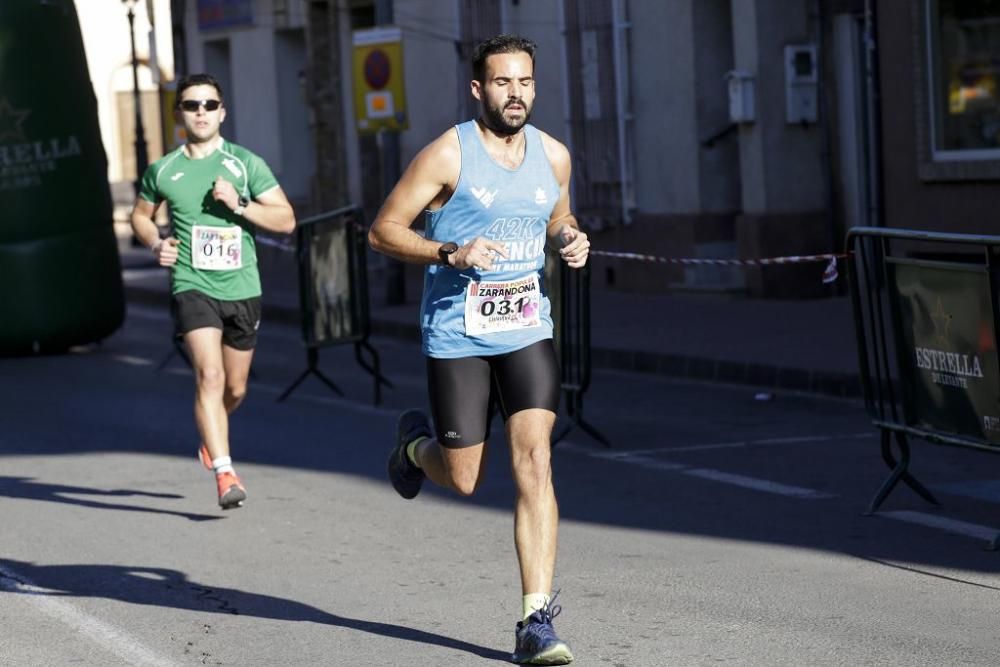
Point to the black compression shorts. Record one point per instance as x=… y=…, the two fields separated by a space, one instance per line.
x=466 y=392
x=238 y=319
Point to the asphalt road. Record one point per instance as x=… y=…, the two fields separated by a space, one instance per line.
x=720 y=529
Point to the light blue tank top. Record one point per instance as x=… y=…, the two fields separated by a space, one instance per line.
x=512 y=206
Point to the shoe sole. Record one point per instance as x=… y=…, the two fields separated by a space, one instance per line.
x=232 y=498
x=557 y=655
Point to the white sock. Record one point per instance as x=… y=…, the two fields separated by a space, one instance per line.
x=222 y=464
x=532 y=602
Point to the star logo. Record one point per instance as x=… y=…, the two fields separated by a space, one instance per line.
x=12 y=122
x=942 y=321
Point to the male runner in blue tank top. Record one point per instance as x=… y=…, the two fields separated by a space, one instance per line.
x=496 y=192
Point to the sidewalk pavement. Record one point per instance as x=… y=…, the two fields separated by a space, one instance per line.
x=800 y=345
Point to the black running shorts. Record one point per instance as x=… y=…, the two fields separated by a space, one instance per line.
x=466 y=392
x=238 y=319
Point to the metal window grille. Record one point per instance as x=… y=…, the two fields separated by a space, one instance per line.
x=598 y=109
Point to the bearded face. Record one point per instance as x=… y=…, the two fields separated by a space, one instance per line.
x=507 y=95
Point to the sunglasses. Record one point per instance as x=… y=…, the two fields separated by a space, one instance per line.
x=193 y=105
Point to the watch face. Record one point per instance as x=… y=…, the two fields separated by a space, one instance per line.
x=445 y=250
x=243 y=201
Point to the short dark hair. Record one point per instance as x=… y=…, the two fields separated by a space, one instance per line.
x=499 y=44
x=190 y=80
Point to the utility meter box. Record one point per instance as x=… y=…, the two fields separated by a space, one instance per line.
x=801 y=84
x=741 y=96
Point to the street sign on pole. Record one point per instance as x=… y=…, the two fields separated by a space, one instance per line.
x=379 y=93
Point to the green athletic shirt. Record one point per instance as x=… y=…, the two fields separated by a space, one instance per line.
x=186 y=185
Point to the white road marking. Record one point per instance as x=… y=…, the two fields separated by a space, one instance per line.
x=118 y=642
x=641 y=459
x=131 y=360
x=756 y=484
x=650 y=462
x=738 y=444
x=942 y=523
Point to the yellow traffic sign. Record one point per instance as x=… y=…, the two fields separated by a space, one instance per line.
x=379 y=93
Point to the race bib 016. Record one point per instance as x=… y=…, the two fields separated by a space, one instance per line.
x=217 y=248
x=491 y=307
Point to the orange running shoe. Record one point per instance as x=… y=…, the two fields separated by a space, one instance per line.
x=205 y=457
x=231 y=491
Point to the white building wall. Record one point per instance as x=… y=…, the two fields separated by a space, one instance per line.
x=255 y=94
x=107 y=43
x=780 y=163
x=253 y=87
x=430 y=30
x=539 y=22
x=351 y=147
x=663 y=89
x=719 y=188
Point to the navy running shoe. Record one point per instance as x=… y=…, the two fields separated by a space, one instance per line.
x=407 y=478
x=536 y=642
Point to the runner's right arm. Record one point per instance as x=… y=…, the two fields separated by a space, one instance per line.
x=427 y=182
x=148 y=233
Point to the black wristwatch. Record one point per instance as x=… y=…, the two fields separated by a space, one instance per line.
x=444 y=250
x=241 y=205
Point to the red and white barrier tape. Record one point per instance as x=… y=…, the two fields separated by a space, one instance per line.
x=830 y=273
x=286 y=246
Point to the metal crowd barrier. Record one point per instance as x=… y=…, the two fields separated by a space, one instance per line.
x=332 y=252
x=925 y=312
x=569 y=293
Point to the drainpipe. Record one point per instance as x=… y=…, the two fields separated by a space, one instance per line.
x=624 y=114
x=824 y=127
x=873 y=120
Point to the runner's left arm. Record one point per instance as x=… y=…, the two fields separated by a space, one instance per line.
x=564 y=234
x=269 y=210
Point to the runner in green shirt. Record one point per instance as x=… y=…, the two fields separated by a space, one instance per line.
x=218 y=193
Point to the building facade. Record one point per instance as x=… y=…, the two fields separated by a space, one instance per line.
x=732 y=129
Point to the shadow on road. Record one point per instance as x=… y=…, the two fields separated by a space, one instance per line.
x=169 y=588
x=679 y=479
x=27 y=488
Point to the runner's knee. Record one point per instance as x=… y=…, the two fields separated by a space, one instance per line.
x=235 y=392
x=533 y=466
x=211 y=378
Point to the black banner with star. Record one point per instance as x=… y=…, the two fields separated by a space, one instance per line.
x=948 y=357
x=60 y=273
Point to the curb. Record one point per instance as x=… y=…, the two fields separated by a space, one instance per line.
x=762 y=376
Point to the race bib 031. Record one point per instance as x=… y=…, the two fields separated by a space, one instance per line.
x=491 y=307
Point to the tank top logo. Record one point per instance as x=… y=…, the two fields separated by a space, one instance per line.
x=485 y=198
x=540 y=196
